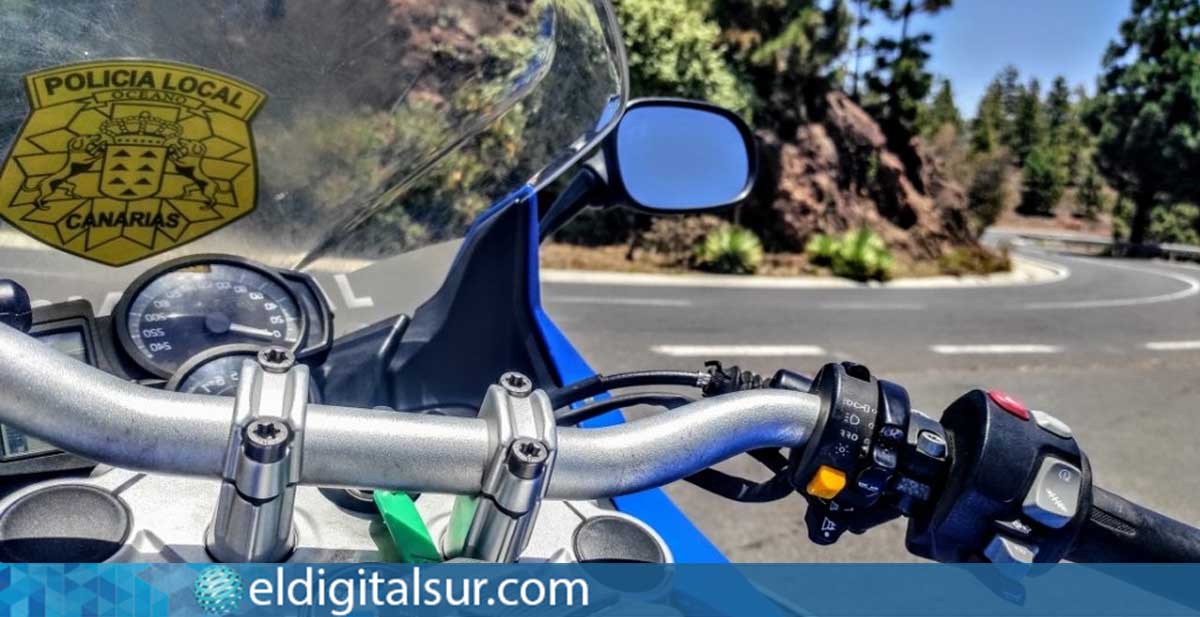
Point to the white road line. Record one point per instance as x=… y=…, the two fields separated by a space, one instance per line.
x=757 y=351
x=872 y=306
x=662 y=302
x=952 y=350
x=1193 y=288
x=1173 y=345
x=352 y=301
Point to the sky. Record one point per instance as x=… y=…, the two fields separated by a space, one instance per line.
x=974 y=39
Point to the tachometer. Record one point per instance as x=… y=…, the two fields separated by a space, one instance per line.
x=182 y=308
x=218 y=371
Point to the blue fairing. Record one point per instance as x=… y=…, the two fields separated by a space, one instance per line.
x=687 y=543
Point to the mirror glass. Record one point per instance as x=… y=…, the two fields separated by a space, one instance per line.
x=681 y=158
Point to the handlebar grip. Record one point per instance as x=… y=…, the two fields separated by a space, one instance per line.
x=1119 y=531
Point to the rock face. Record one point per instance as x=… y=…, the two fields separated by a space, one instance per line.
x=838 y=174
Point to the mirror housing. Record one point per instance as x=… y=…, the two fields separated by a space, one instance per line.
x=665 y=156
x=678 y=155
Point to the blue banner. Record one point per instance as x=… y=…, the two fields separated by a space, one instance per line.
x=599 y=589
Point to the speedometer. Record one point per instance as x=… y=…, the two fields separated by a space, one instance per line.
x=182 y=308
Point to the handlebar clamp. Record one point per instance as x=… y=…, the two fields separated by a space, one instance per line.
x=496 y=525
x=253 y=517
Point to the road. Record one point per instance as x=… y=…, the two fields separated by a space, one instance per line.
x=1113 y=349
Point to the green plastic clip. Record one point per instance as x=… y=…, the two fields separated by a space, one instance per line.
x=404 y=525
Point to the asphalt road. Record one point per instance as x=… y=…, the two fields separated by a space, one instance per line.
x=1113 y=349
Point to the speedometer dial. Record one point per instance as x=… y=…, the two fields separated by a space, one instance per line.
x=180 y=310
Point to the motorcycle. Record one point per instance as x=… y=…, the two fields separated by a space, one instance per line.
x=260 y=157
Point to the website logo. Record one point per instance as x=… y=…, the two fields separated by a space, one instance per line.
x=218 y=590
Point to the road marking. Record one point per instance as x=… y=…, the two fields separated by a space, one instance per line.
x=662 y=302
x=1173 y=345
x=872 y=306
x=1193 y=288
x=757 y=351
x=352 y=301
x=952 y=350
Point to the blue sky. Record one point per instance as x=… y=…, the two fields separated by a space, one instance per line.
x=974 y=39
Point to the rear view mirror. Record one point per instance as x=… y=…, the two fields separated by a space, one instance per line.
x=677 y=155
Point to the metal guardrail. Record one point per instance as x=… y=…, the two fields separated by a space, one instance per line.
x=1169 y=250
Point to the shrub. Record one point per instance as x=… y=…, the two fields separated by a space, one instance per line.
x=1090 y=196
x=1175 y=223
x=990 y=191
x=1044 y=182
x=676 y=237
x=973 y=260
x=1122 y=215
x=730 y=250
x=861 y=255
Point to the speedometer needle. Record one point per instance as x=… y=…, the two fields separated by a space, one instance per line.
x=249 y=331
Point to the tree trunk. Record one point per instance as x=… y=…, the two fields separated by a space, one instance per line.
x=1143 y=203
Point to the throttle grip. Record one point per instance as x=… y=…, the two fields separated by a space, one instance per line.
x=1117 y=530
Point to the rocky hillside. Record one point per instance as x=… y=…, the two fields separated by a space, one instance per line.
x=837 y=174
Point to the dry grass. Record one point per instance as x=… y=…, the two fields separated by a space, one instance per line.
x=612 y=259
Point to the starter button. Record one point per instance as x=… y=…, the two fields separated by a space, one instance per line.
x=1053 y=499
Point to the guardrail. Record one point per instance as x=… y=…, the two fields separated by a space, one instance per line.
x=1169 y=250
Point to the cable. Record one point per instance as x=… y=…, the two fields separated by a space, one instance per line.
x=741 y=489
x=571 y=417
x=599 y=384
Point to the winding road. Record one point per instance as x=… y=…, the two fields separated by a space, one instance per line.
x=1112 y=348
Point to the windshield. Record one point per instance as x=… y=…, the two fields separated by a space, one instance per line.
x=322 y=135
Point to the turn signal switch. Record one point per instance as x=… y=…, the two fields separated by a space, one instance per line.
x=874 y=458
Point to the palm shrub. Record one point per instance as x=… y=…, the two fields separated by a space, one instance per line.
x=729 y=250
x=859 y=254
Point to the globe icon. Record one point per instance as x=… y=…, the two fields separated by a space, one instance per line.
x=218 y=590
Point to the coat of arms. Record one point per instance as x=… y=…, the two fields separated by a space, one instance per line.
x=123 y=159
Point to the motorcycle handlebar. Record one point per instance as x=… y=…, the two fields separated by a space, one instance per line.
x=91 y=413
x=1119 y=531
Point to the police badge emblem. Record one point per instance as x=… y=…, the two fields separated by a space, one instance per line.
x=123 y=159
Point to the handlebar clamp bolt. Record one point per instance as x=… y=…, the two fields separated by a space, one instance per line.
x=276 y=359
x=516 y=384
x=266 y=440
x=527 y=457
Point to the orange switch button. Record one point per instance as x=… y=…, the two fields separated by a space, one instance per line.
x=827 y=482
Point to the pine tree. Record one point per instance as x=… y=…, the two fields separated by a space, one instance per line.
x=1059 y=113
x=1028 y=125
x=900 y=83
x=788 y=51
x=1011 y=95
x=1147 y=109
x=942 y=111
x=1091 y=195
x=990 y=126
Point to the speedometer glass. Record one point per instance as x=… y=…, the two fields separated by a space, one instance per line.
x=182 y=312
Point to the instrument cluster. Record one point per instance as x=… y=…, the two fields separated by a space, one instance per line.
x=182 y=309
x=185 y=325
